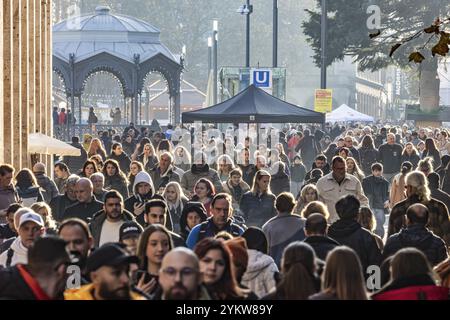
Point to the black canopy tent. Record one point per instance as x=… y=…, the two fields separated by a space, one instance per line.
x=254 y=105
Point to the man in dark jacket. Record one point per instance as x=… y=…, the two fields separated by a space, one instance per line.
x=164 y=173
x=279 y=181
x=248 y=169
x=60 y=203
x=221 y=220
x=319 y=163
x=43 y=278
x=348 y=232
x=105 y=225
x=417 y=191
x=75 y=163
x=348 y=143
x=418 y=236
x=87 y=205
x=316 y=235
x=376 y=188
x=390 y=156
x=156 y=212
x=436 y=192
x=50 y=190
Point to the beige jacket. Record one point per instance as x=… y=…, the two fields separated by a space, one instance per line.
x=330 y=192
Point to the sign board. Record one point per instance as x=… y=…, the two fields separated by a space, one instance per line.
x=323 y=101
x=262 y=78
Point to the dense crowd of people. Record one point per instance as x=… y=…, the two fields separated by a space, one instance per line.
x=332 y=213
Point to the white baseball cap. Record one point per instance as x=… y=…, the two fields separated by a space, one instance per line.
x=31 y=216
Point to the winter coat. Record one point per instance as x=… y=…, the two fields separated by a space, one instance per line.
x=20 y=254
x=161 y=180
x=152 y=162
x=260 y=274
x=83 y=211
x=59 y=205
x=175 y=214
x=377 y=190
x=280 y=183
x=308 y=149
x=321 y=245
x=117 y=183
x=257 y=209
x=390 y=156
x=8 y=196
x=413 y=158
x=48 y=187
x=248 y=173
x=419 y=287
x=235 y=194
x=368 y=157
x=75 y=163
x=123 y=160
x=191 y=177
x=30 y=195
x=438 y=221
x=298 y=172
x=129 y=147
x=97 y=221
x=281 y=231
x=86 y=293
x=349 y=233
x=417 y=236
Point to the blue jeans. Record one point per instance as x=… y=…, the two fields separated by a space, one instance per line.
x=380 y=218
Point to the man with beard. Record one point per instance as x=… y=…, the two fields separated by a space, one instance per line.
x=43 y=278
x=180 y=277
x=79 y=242
x=105 y=225
x=108 y=268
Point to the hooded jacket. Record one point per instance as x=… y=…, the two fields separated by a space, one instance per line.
x=97 y=221
x=19 y=256
x=137 y=198
x=349 y=233
x=417 y=236
x=260 y=274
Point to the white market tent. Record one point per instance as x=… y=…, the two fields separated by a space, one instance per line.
x=42 y=144
x=346 y=114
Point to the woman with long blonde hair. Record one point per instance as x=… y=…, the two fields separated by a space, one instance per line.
x=96 y=147
x=353 y=169
x=182 y=158
x=176 y=200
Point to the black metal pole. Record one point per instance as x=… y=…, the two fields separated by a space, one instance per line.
x=247 y=42
x=275 y=33
x=323 y=68
x=215 y=55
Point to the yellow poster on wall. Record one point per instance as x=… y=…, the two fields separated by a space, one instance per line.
x=323 y=101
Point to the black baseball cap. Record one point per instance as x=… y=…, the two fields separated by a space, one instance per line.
x=129 y=229
x=110 y=254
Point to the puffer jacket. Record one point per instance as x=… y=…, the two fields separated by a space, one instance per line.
x=86 y=293
x=192 y=176
x=259 y=276
x=349 y=233
x=417 y=236
x=20 y=254
x=438 y=221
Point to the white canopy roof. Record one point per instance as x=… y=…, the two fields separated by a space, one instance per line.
x=40 y=143
x=346 y=114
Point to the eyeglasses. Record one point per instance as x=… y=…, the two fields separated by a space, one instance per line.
x=185 y=272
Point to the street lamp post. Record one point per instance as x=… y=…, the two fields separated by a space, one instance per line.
x=210 y=45
x=215 y=44
x=275 y=33
x=247 y=10
x=323 y=25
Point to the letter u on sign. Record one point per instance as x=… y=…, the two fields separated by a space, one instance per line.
x=262 y=78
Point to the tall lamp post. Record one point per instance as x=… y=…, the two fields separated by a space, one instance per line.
x=247 y=10
x=215 y=44
x=210 y=46
x=275 y=34
x=323 y=58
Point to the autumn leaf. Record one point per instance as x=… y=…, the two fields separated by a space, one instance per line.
x=394 y=48
x=417 y=57
x=442 y=48
x=374 y=35
x=445 y=37
x=432 y=29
